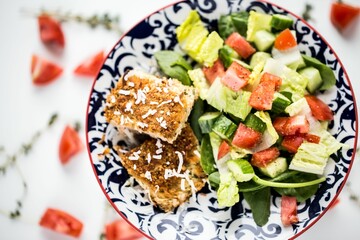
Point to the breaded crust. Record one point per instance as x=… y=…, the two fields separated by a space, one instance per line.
x=170 y=172
x=148 y=104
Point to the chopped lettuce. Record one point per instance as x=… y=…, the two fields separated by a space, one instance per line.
x=199 y=80
x=270 y=135
x=228 y=192
x=209 y=50
x=257 y=21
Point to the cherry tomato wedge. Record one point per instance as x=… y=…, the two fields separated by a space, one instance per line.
x=43 y=71
x=342 y=15
x=91 y=66
x=285 y=40
x=51 y=33
x=216 y=70
x=121 y=230
x=61 y=222
x=319 y=109
x=70 y=144
x=288 y=210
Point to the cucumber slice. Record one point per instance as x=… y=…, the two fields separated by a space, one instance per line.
x=314 y=77
x=227 y=55
x=207 y=160
x=263 y=40
x=280 y=103
x=281 y=22
x=254 y=122
x=257 y=21
x=207 y=120
x=275 y=168
x=241 y=169
x=224 y=127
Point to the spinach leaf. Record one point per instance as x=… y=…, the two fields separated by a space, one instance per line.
x=259 y=202
x=236 y=22
x=195 y=114
x=174 y=65
x=302 y=193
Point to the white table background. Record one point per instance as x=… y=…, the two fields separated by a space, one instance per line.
x=26 y=108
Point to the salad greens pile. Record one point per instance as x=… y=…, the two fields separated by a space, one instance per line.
x=255 y=119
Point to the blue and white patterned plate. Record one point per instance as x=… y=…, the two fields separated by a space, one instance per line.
x=202 y=218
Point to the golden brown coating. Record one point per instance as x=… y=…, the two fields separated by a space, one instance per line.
x=156 y=106
x=170 y=172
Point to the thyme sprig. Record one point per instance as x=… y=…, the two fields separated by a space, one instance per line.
x=306 y=15
x=12 y=161
x=106 y=21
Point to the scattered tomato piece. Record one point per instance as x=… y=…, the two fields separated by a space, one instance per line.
x=262 y=96
x=223 y=149
x=288 y=210
x=43 y=71
x=61 y=222
x=285 y=40
x=51 y=33
x=70 y=144
x=91 y=66
x=240 y=45
x=246 y=137
x=343 y=14
x=292 y=142
x=319 y=109
x=264 y=157
x=216 y=70
x=291 y=125
x=236 y=76
x=121 y=230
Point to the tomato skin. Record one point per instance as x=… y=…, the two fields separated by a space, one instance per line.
x=43 y=71
x=223 y=150
x=62 y=222
x=216 y=70
x=264 y=157
x=91 y=66
x=51 y=33
x=319 y=109
x=240 y=45
x=70 y=144
x=288 y=210
x=246 y=137
x=342 y=15
x=236 y=76
x=291 y=125
x=285 y=40
x=121 y=230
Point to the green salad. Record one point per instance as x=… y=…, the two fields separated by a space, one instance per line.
x=261 y=126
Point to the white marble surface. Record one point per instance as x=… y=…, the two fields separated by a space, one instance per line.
x=26 y=108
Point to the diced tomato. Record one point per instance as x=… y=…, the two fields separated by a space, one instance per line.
x=91 y=67
x=319 y=109
x=216 y=70
x=272 y=78
x=121 y=230
x=312 y=138
x=291 y=125
x=264 y=157
x=285 y=40
x=262 y=96
x=223 y=149
x=51 y=33
x=70 y=144
x=236 y=76
x=292 y=142
x=43 y=71
x=246 y=137
x=62 y=222
x=343 y=14
x=240 y=45
x=288 y=210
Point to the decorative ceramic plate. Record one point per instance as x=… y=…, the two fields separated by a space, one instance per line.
x=201 y=218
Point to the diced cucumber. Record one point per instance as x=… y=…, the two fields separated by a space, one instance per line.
x=257 y=21
x=263 y=40
x=327 y=75
x=314 y=77
x=224 y=127
x=227 y=54
x=214 y=179
x=207 y=160
x=275 y=168
x=259 y=57
x=281 y=22
x=241 y=169
x=280 y=103
x=240 y=21
x=254 y=122
x=207 y=120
